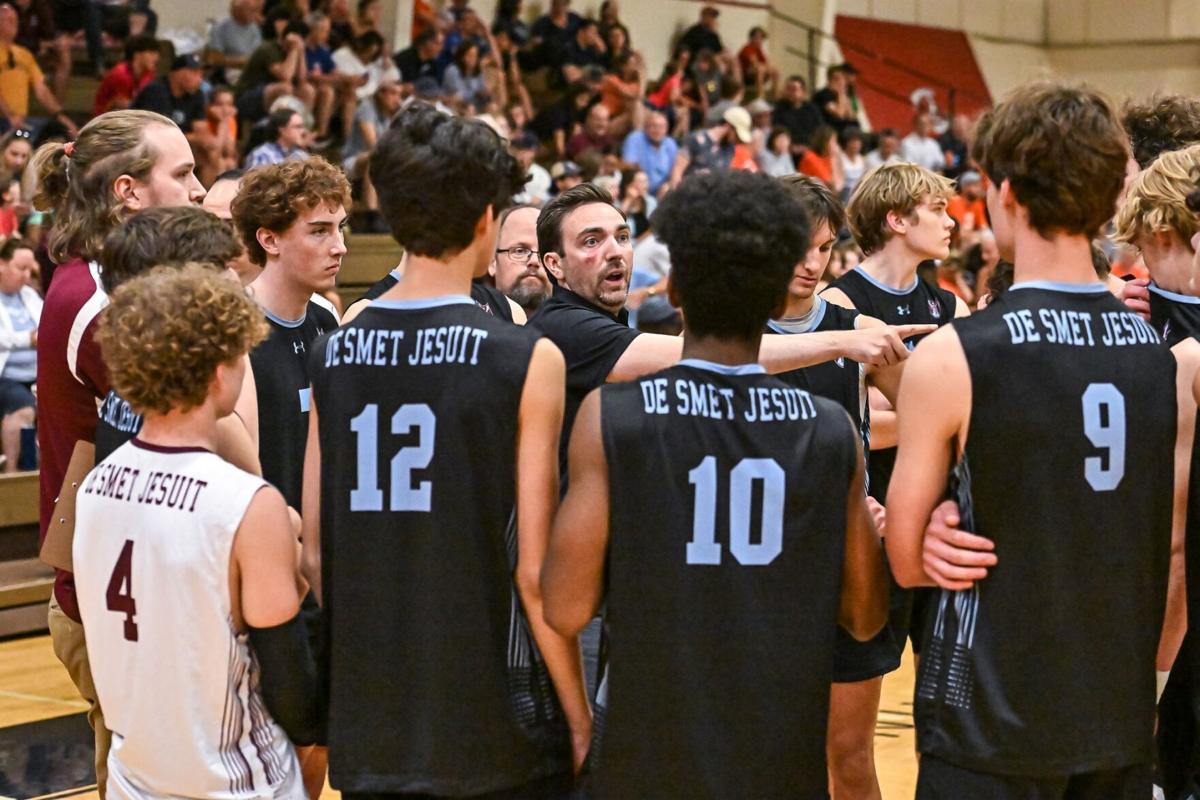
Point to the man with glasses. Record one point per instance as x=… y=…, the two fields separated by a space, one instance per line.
x=516 y=269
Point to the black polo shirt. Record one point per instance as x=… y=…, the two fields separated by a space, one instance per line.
x=591 y=340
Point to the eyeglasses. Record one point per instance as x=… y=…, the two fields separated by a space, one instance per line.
x=22 y=133
x=518 y=253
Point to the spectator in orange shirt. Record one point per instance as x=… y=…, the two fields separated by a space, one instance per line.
x=757 y=69
x=622 y=93
x=969 y=209
x=126 y=79
x=822 y=160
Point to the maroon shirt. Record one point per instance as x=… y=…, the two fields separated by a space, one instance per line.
x=71 y=379
x=119 y=84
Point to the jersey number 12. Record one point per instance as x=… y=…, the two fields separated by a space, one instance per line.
x=367 y=496
x=704 y=548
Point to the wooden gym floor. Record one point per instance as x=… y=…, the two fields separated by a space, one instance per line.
x=44 y=739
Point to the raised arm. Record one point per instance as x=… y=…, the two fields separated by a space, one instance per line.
x=933 y=412
x=539 y=424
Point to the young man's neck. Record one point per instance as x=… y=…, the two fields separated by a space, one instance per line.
x=799 y=306
x=728 y=351
x=276 y=293
x=1061 y=258
x=426 y=277
x=194 y=428
x=894 y=265
x=1172 y=270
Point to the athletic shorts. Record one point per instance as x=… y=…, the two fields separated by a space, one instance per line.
x=924 y=603
x=941 y=780
x=556 y=787
x=855 y=661
x=15 y=396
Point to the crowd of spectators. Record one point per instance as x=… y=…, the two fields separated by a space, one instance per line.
x=293 y=79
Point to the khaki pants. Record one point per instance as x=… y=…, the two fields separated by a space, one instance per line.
x=67 y=637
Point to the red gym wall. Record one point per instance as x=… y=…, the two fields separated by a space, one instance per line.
x=878 y=50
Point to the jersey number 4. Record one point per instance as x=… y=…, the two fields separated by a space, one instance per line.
x=1104 y=426
x=704 y=548
x=367 y=496
x=119 y=595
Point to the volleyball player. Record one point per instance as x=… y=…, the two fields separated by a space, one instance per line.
x=488 y=298
x=290 y=217
x=183 y=560
x=431 y=472
x=1057 y=383
x=121 y=162
x=898 y=217
x=1155 y=218
x=167 y=236
x=719 y=516
x=858 y=667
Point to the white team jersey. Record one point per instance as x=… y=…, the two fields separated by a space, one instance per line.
x=177 y=682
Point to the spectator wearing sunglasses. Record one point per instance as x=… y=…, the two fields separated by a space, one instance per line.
x=20 y=75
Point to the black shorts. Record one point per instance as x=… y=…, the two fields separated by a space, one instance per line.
x=941 y=780
x=556 y=787
x=855 y=661
x=15 y=396
x=923 y=604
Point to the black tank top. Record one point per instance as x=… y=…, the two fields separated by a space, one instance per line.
x=436 y=686
x=840 y=380
x=728 y=507
x=920 y=304
x=1174 y=316
x=281 y=381
x=487 y=297
x=1046 y=667
x=117 y=424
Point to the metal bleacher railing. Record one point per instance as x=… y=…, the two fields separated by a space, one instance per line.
x=813 y=37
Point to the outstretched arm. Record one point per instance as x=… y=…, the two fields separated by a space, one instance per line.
x=884 y=345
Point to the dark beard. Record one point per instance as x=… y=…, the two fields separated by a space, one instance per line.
x=528 y=297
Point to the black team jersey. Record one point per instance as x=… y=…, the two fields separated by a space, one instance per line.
x=1174 y=316
x=488 y=298
x=728 y=522
x=436 y=686
x=843 y=381
x=920 y=304
x=592 y=341
x=117 y=424
x=281 y=379
x=1046 y=667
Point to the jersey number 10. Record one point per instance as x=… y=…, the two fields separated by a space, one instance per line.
x=704 y=549
x=367 y=496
